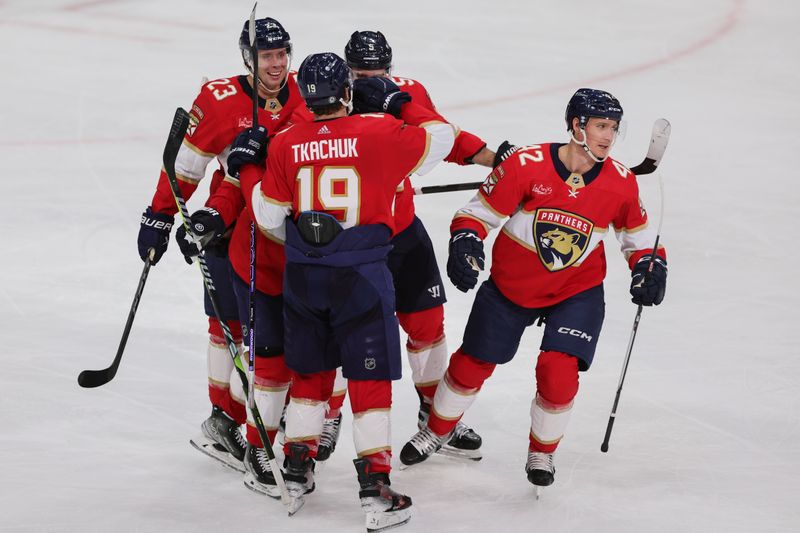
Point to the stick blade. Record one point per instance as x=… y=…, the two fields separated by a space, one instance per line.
x=658 y=145
x=90 y=379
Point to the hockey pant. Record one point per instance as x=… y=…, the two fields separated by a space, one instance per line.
x=370 y=401
x=427 y=355
x=557 y=385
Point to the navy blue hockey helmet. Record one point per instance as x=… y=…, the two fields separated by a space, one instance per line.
x=587 y=103
x=323 y=79
x=368 y=50
x=270 y=35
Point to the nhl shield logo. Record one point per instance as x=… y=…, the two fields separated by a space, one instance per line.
x=561 y=237
x=369 y=363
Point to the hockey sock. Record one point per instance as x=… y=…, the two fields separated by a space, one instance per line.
x=338 y=395
x=306 y=412
x=459 y=388
x=271 y=384
x=426 y=347
x=220 y=368
x=557 y=385
x=372 y=403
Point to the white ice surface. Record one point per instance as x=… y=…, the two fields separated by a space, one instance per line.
x=707 y=437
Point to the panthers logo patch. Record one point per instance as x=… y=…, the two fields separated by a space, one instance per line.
x=561 y=237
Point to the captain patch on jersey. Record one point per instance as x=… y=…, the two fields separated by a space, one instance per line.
x=561 y=237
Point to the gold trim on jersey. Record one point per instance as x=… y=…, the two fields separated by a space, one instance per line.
x=273 y=105
x=424 y=153
x=575 y=181
x=186 y=179
x=518 y=240
x=197 y=150
x=364 y=453
x=361 y=414
x=483 y=223
x=232 y=180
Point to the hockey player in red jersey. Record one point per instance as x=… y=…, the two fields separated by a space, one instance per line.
x=335 y=180
x=221 y=110
x=418 y=285
x=280 y=104
x=548 y=263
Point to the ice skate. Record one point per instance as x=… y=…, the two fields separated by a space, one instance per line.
x=221 y=440
x=258 y=475
x=540 y=470
x=465 y=442
x=223 y=430
x=384 y=507
x=421 y=446
x=329 y=437
x=298 y=475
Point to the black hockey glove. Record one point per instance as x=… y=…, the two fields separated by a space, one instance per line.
x=207 y=226
x=154 y=233
x=647 y=288
x=249 y=147
x=503 y=152
x=378 y=95
x=465 y=259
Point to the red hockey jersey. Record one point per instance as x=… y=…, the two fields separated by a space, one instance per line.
x=465 y=146
x=230 y=114
x=223 y=108
x=551 y=247
x=348 y=167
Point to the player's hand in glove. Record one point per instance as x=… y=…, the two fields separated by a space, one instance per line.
x=378 y=95
x=207 y=226
x=154 y=233
x=503 y=152
x=465 y=259
x=647 y=288
x=249 y=147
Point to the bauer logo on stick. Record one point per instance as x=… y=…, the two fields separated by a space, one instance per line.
x=561 y=237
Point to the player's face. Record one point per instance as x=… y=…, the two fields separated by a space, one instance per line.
x=364 y=73
x=600 y=135
x=272 y=66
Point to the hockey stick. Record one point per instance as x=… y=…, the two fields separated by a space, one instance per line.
x=251 y=319
x=658 y=144
x=612 y=417
x=179 y=125
x=89 y=379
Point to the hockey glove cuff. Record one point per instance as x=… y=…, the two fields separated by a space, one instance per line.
x=154 y=233
x=465 y=259
x=249 y=148
x=648 y=286
x=503 y=152
x=207 y=227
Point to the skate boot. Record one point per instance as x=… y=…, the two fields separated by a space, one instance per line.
x=299 y=475
x=384 y=507
x=329 y=437
x=258 y=475
x=421 y=446
x=224 y=431
x=540 y=469
x=465 y=442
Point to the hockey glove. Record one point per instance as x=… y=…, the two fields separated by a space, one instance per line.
x=465 y=259
x=249 y=148
x=503 y=152
x=648 y=287
x=378 y=95
x=154 y=233
x=207 y=227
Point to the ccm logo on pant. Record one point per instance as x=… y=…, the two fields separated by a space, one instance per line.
x=575 y=333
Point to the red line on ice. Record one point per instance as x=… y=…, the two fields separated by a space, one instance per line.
x=729 y=22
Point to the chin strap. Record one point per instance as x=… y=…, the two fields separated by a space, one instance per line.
x=285 y=78
x=586 y=147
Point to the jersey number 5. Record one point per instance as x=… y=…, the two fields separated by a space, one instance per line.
x=337 y=191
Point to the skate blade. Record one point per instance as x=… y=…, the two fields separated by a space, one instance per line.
x=457 y=453
x=206 y=447
x=251 y=483
x=381 y=521
x=295 y=504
